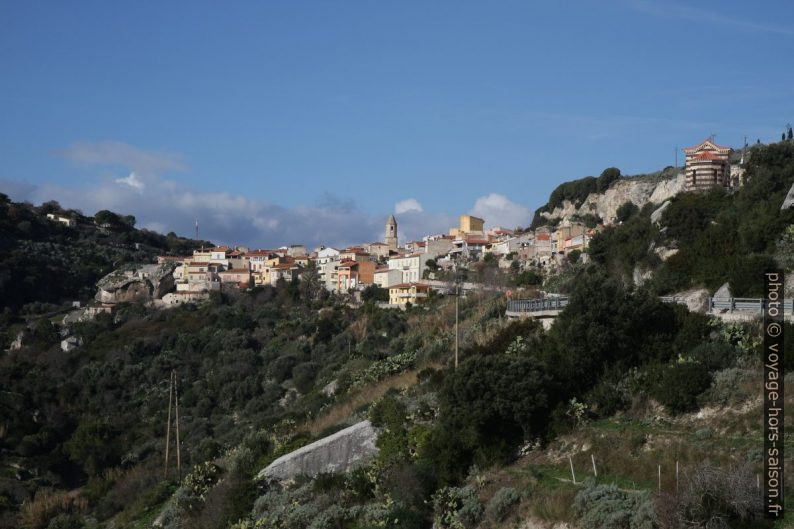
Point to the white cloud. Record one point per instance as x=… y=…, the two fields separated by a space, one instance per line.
x=498 y=210
x=409 y=204
x=133 y=181
x=165 y=205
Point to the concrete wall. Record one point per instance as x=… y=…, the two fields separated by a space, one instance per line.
x=338 y=452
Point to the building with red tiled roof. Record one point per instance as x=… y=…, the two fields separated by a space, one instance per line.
x=404 y=293
x=707 y=165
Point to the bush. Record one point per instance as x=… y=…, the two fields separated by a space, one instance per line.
x=678 y=386
x=456 y=507
x=607 y=507
x=713 y=497
x=502 y=503
x=608 y=175
x=626 y=211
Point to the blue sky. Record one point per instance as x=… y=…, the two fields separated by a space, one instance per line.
x=297 y=121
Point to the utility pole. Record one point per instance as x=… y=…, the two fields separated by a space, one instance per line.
x=173 y=397
x=457 y=310
x=178 y=451
x=168 y=425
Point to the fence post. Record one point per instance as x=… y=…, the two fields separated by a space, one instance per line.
x=573 y=476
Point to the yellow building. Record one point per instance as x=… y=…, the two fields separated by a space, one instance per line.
x=408 y=293
x=468 y=224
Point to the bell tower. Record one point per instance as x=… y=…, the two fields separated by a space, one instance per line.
x=391 y=233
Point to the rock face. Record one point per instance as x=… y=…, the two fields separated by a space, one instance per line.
x=143 y=283
x=696 y=300
x=338 y=452
x=724 y=292
x=639 y=191
x=656 y=216
x=788 y=203
x=640 y=276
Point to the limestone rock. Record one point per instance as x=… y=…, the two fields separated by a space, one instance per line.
x=696 y=300
x=338 y=452
x=664 y=252
x=639 y=191
x=656 y=216
x=143 y=283
x=724 y=292
x=330 y=389
x=788 y=203
x=640 y=276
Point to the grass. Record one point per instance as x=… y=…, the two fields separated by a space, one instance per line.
x=363 y=397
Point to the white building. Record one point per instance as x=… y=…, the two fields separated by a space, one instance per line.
x=412 y=266
x=388 y=277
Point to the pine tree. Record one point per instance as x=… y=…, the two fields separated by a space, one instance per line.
x=790 y=135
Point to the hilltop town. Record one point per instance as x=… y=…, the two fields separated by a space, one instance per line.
x=403 y=273
x=353 y=385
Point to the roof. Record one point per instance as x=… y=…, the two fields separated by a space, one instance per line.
x=409 y=285
x=708 y=144
x=236 y=271
x=708 y=155
x=198 y=263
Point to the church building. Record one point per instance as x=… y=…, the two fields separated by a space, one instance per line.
x=391 y=233
x=707 y=165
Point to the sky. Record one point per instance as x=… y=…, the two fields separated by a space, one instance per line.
x=281 y=122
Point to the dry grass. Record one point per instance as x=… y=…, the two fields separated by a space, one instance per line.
x=46 y=505
x=364 y=396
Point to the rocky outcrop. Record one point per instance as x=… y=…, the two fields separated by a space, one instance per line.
x=696 y=300
x=639 y=191
x=724 y=292
x=338 y=452
x=788 y=203
x=142 y=283
x=641 y=276
x=656 y=216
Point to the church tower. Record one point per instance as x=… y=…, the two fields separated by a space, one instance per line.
x=391 y=233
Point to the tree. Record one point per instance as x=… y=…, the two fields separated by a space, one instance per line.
x=626 y=211
x=93 y=445
x=106 y=218
x=492 y=403
x=375 y=293
x=609 y=175
x=790 y=134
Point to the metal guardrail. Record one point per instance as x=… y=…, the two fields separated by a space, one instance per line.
x=537 y=305
x=745 y=305
x=715 y=304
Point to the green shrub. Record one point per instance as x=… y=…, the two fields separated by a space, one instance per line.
x=607 y=507
x=456 y=508
x=678 y=386
x=502 y=503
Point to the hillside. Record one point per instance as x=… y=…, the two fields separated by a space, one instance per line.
x=622 y=382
